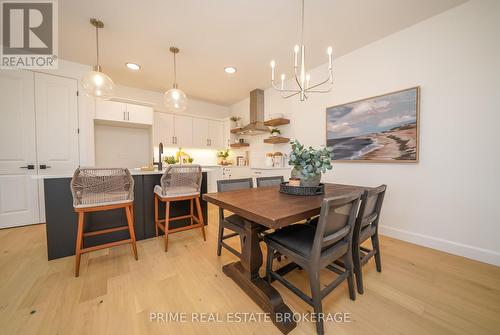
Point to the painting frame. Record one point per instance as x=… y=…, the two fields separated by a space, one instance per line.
x=393 y=161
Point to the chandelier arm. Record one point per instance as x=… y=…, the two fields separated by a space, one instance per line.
x=319 y=84
x=291 y=95
x=282 y=90
x=298 y=82
x=320 y=91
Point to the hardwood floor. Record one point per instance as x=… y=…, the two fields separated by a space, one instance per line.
x=420 y=290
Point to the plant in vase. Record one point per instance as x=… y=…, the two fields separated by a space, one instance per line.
x=236 y=121
x=308 y=163
x=223 y=155
x=275 y=132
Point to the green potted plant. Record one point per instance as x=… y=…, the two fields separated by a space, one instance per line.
x=223 y=155
x=308 y=163
x=169 y=160
x=236 y=121
x=275 y=132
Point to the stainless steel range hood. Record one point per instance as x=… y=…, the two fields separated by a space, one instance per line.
x=256 y=125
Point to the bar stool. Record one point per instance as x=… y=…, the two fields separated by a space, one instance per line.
x=179 y=183
x=102 y=189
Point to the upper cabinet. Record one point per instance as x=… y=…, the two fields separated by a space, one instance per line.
x=183 y=131
x=109 y=110
x=216 y=134
x=163 y=129
x=200 y=133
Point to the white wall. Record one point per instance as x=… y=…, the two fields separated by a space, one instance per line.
x=448 y=200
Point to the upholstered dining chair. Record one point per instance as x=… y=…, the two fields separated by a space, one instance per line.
x=316 y=247
x=232 y=222
x=269 y=181
x=102 y=189
x=366 y=227
x=179 y=183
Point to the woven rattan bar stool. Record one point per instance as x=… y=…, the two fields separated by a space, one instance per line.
x=179 y=183
x=101 y=189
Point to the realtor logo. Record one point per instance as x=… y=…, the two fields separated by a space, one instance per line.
x=29 y=34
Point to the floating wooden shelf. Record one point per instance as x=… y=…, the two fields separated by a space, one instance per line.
x=236 y=130
x=239 y=145
x=276 y=122
x=276 y=140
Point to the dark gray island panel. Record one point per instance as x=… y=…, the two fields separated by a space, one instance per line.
x=61 y=219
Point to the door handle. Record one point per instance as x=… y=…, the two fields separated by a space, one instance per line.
x=29 y=167
x=43 y=166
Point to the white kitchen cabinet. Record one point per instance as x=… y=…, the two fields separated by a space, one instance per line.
x=109 y=110
x=226 y=133
x=215 y=134
x=163 y=129
x=183 y=129
x=201 y=133
x=139 y=114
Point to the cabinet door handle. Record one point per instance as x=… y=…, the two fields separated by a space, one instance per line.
x=29 y=167
x=43 y=166
x=124 y=118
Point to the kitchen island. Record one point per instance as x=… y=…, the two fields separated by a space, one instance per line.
x=61 y=219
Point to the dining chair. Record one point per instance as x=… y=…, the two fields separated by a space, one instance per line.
x=314 y=248
x=102 y=189
x=179 y=183
x=233 y=222
x=269 y=181
x=367 y=227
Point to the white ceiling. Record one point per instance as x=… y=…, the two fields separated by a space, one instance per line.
x=213 y=34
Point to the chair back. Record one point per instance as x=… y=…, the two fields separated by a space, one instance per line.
x=181 y=179
x=101 y=186
x=269 y=181
x=226 y=185
x=370 y=208
x=336 y=222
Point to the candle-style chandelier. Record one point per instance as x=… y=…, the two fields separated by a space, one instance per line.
x=302 y=78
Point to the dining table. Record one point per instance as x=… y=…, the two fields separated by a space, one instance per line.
x=264 y=208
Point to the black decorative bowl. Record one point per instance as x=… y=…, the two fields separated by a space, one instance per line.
x=302 y=190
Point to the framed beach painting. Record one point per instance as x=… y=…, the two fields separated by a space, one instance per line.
x=383 y=128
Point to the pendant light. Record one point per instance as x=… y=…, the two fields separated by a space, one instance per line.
x=174 y=99
x=95 y=83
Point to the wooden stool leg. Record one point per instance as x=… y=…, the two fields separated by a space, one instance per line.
x=128 y=212
x=167 y=223
x=156 y=214
x=79 y=240
x=200 y=218
x=191 y=210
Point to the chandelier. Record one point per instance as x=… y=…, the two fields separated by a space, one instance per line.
x=302 y=79
x=174 y=99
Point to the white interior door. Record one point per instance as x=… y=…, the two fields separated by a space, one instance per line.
x=18 y=187
x=56 y=124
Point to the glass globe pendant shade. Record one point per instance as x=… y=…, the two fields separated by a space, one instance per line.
x=97 y=84
x=175 y=100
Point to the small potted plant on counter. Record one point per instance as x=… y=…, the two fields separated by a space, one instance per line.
x=223 y=155
x=170 y=160
x=275 y=132
x=236 y=121
x=308 y=163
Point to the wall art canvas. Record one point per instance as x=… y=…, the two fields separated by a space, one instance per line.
x=378 y=129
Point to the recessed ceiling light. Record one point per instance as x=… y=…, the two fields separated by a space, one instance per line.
x=230 y=69
x=133 y=66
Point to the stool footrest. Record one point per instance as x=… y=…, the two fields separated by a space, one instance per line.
x=105 y=246
x=105 y=231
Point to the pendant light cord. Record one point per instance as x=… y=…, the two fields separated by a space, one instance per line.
x=175 y=73
x=97 y=42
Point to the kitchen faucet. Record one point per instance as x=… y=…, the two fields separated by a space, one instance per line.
x=160 y=152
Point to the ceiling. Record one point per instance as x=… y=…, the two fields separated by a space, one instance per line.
x=246 y=34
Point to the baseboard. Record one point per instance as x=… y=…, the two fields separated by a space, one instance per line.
x=468 y=251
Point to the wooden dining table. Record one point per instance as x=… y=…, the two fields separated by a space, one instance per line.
x=265 y=208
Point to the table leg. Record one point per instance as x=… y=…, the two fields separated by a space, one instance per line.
x=246 y=274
